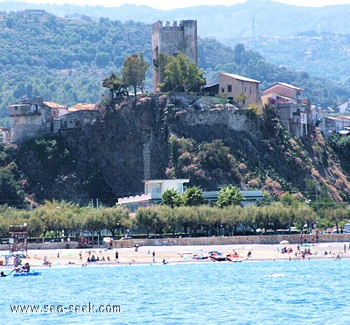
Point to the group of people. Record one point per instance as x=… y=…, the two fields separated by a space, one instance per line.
x=97 y=259
x=25 y=268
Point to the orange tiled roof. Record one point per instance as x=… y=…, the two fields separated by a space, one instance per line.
x=55 y=105
x=82 y=107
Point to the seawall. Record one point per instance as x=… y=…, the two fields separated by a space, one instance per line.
x=227 y=240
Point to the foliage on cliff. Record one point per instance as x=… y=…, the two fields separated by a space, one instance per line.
x=266 y=158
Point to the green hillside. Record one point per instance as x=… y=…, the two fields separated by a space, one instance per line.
x=65 y=60
x=310 y=39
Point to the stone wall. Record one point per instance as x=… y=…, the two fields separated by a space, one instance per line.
x=232 y=240
x=227 y=240
x=234 y=119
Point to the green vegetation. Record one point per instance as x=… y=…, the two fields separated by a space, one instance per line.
x=341 y=145
x=180 y=74
x=116 y=87
x=11 y=191
x=64 y=60
x=171 y=198
x=48 y=220
x=229 y=195
x=134 y=72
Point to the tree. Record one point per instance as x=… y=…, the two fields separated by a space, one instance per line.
x=134 y=72
x=238 y=53
x=114 y=217
x=336 y=215
x=193 y=196
x=116 y=87
x=240 y=100
x=147 y=219
x=94 y=222
x=229 y=195
x=171 y=198
x=304 y=215
x=10 y=192
x=181 y=74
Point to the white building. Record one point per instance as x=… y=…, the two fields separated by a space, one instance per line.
x=156 y=187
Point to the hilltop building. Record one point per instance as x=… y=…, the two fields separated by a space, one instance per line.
x=171 y=40
x=336 y=124
x=30 y=119
x=33 y=118
x=233 y=85
x=292 y=109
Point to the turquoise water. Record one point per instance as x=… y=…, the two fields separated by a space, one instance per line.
x=288 y=292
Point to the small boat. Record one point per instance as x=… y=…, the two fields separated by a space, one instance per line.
x=233 y=258
x=34 y=273
x=199 y=257
x=217 y=256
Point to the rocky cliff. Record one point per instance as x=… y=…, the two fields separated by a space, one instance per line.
x=212 y=144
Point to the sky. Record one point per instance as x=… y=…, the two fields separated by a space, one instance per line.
x=168 y=4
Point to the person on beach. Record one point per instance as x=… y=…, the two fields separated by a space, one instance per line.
x=154 y=256
x=117 y=256
x=2 y=274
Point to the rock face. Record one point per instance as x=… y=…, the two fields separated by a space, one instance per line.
x=113 y=157
x=106 y=160
x=128 y=146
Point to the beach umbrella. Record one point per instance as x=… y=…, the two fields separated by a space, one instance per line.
x=284 y=242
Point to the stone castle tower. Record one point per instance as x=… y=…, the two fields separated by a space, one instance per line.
x=30 y=118
x=171 y=40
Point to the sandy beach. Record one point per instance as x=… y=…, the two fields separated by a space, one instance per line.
x=179 y=254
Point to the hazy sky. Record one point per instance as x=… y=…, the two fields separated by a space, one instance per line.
x=168 y=4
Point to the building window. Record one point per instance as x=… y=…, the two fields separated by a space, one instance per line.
x=156 y=189
x=222 y=90
x=229 y=88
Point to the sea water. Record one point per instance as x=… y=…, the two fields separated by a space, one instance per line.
x=280 y=292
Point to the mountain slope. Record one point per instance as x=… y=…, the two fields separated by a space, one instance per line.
x=313 y=40
x=268 y=17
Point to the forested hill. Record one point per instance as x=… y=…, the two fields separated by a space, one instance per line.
x=65 y=60
x=314 y=40
x=270 y=17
